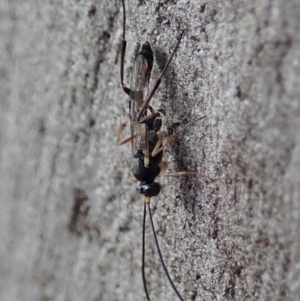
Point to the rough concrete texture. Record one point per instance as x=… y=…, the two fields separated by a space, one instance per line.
x=70 y=216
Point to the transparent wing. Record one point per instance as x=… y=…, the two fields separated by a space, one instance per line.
x=139 y=91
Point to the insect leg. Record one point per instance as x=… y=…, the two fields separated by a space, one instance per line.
x=180 y=174
x=126 y=140
x=163 y=167
x=173 y=137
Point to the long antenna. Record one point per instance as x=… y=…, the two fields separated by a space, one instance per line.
x=143 y=253
x=123 y=46
x=160 y=256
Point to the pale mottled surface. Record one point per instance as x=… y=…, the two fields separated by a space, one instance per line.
x=234 y=237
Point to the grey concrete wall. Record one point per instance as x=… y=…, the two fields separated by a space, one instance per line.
x=70 y=217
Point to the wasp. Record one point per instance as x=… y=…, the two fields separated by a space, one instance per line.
x=147 y=139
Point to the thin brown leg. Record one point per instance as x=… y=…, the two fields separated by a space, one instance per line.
x=180 y=174
x=126 y=140
x=163 y=167
x=173 y=137
x=158 y=148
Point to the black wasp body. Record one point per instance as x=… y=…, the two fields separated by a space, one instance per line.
x=144 y=169
x=146 y=136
